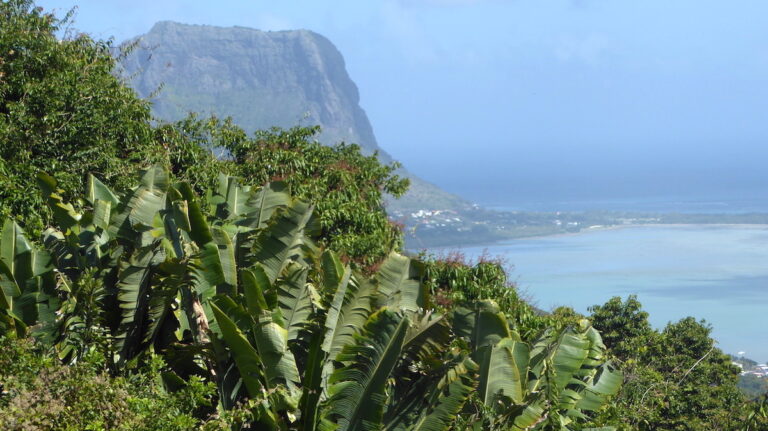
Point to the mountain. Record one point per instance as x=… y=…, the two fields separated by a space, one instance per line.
x=262 y=79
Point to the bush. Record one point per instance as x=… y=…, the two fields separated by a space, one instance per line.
x=40 y=394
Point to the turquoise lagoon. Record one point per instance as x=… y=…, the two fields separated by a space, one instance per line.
x=714 y=272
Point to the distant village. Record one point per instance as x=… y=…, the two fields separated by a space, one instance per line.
x=759 y=370
x=476 y=225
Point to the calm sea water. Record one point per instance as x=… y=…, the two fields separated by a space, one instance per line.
x=716 y=273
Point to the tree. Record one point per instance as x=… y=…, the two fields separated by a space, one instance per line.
x=346 y=186
x=624 y=327
x=61 y=110
x=674 y=379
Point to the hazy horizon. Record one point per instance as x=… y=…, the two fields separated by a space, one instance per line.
x=513 y=100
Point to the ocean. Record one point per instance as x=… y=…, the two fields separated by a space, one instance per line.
x=714 y=272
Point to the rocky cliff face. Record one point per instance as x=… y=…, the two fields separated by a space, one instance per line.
x=260 y=79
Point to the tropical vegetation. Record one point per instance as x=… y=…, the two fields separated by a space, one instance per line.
x=231 y=290
x=179 y=276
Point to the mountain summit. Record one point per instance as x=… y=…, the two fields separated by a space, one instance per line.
x=261 y=79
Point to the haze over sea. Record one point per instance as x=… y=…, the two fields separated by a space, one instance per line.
x=713 y=272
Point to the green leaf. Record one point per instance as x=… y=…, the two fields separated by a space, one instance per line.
x=98 y=191
x=433 y=401
x=605 y=384
x=254 y=283
x=351 y=316
x=357 y=392
x=283 y=240
x=294 y=299
x=64 y=213
x=531 y=415
x=428 y=337
x=133 y=290
x=400 y=283
x=453 y=391
x=262 y=204
x=568 y=357
x=146 y=201
x=207 y=272
x=484 y=325
x=194 y=221
x=503 y=372
x=226 y=252
x=102 y=210
x=245 y=355
x=271 y=342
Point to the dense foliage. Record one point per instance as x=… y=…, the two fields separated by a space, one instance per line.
x=229 y=289
x=61 y=110
x=39 y=393
x=255 y=282
x=675 y=379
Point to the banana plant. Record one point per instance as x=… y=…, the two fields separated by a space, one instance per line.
x=548 y=384
x=28 y=299
x=159 y=252
x=352 y=348
x=231 y=286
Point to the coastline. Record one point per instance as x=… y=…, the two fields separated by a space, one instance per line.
x=592 y=229
x=600 y=228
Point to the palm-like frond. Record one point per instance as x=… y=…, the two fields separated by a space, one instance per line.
x=399 y=280
x=358 y=389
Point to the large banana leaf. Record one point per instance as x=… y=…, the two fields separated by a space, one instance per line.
x=527 y=417
x=428 y=338
x=295 y=299
x=226 y=252
x=8 y=250
x=283 y=240
x=162 y=322
x=568 y=357
x=263 y=204
x=133 y=296
x=98 y=191
x=269 y=340
x=149 y=198
x=337 y=280
x=27 y=281
x=604 y=384
x=434 y=407
x=503 y=372
x=138 y=210
x=245 y=355
x=254 y=284
x=400 y=284
x=63 y=213
x=207 y=272
x=190 y=216
x=247 y=206
x=357 y=391
x=483 y=324
x=355 y=309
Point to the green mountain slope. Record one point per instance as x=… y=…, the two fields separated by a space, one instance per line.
x=262 y=79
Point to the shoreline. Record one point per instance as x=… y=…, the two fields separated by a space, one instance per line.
x=592 y=229
x=602 y=228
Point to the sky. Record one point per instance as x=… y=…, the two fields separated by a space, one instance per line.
x=513 y=101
